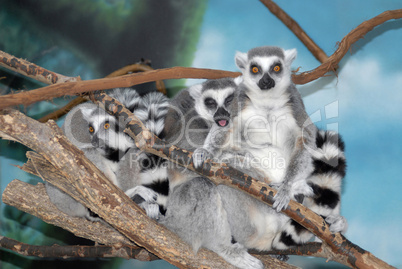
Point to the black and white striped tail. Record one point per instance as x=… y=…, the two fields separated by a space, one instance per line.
x=326 y=182
x=153 y=171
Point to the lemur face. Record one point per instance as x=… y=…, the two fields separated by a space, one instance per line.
x=265 y=72
x=217 y=103
x=266 y=68
x=214 y=100
x=104 y=130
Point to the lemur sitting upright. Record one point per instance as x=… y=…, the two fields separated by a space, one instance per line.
x=271 y=103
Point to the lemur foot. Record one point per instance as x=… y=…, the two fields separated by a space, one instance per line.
x=337 y=224
x=282 y=197
x=237 y=255
x=145 y=193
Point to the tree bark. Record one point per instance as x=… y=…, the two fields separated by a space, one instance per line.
x=102 y=196
x=32 y=70
x=342 y=249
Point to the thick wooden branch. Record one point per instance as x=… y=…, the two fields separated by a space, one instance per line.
x=74 y=88
x=102 y=196
x=342 y=249
x=318 y=53
x=32 y=70
x=344 y=46
x=67 y=252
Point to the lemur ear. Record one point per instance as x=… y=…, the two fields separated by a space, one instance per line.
x=241 y=60
x=86 y=112
x=290 y=55
x=195 y=91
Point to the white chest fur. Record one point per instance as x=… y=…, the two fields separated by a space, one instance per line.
x=269 y=130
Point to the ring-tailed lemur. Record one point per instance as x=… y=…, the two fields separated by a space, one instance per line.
x=252 y=224
x=103 y=141
x=270 y=101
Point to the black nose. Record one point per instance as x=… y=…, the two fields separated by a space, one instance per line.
x=95 y=141
x=266 y=82
x=222 y=117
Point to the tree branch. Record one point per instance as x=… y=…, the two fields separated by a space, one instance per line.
x=74 y=88
x=67 y=252
x=342 y=249
x=137 y=67
x=343 y=47
x=102 y=196
x=32 y=70
x=318 y=53
x=79 y=87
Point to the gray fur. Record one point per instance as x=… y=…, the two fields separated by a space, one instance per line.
x=254 y=92
x=123 y=168
x=195 y=211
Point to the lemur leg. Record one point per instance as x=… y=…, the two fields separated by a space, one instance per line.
x=195 y=212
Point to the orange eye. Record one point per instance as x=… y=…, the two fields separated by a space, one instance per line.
x=277 y=68
x=91 y=129
x=106 y=126
x=255 y=70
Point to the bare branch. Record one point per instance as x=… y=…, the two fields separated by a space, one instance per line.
x=32 y=70
x=342 y=249
x=102 y=196
x=318 y=53
x=67 y=252
x=62 y=111
x=343 y=47
x=74 y=88
x=138 y=67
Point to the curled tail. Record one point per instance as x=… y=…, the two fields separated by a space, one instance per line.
x=154 y=190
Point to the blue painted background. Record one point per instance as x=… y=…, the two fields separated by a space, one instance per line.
x=363 y=102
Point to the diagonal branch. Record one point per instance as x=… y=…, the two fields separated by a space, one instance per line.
x=318 y=53
x=74 y=88
x=137 y=67
x=79 y=87
x=32 y=70
x=343 y=47
x=342 y=249
x=102 y=196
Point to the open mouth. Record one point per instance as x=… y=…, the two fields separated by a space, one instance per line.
x=222 y=122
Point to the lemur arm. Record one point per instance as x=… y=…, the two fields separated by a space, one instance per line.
x=300 y=165
x=213 y=145
x=299 y=168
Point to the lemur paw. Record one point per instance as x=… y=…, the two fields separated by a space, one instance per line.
x=145 y=193
x=199 y=156
x=337 y=224
x=152 y=209
x=282 y=198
